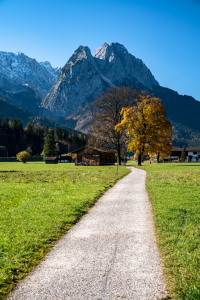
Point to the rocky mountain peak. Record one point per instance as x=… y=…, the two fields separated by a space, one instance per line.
x=85 y=76
x=80 y=54
x=115 y=62
x=101 y=53
x=18 y=70
x=106 y=51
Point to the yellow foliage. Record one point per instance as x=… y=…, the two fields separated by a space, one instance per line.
x=23 y=156
x=146 y=126
x=73 y=155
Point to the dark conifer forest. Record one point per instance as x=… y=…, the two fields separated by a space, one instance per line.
x=14 y=138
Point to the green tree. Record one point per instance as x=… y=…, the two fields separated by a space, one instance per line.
x=23 y=156
x=49 y=145
x=3 y=152
x=183 y=154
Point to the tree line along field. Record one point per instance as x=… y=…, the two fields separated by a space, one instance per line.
x=39 y=203
x=174 y=192
x=14 y=138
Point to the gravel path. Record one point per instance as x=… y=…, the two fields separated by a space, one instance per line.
x=110 y=254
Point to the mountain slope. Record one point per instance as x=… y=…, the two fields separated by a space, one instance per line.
x=18 y=71
x=84 y=77
x=10 y=110
x=117 y=65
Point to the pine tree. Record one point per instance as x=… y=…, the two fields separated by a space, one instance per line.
x=5 y=134
x=49 y=145
x=183 y=154
x=3 y=151
x=5 y=124
x=46 y=131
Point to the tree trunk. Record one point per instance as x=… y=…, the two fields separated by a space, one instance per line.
x=158 y=157
x=118 y=156
x=139 y=159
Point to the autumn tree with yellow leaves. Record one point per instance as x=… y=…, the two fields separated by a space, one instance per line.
x=146 y=127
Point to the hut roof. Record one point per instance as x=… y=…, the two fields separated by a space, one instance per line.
x=195 y=149
x=106 y=150
x=51 y=158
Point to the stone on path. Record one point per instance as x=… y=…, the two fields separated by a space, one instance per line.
x=109 y=254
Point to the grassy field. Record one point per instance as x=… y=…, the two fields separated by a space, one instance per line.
x=174 y=191
x=38 y=204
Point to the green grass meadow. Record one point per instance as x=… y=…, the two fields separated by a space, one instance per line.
x=174 y=192
x=38 y=204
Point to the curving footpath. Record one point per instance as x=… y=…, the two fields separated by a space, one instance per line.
x=110 y=254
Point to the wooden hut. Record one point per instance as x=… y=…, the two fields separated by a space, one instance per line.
x=51 y=160
x=89 y=156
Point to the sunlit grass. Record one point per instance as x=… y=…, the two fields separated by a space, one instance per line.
x=38 y=204
x=174 y=191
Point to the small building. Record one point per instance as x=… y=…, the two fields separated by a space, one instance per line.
x=51 y=160
x=89 y=156
x=192 y=154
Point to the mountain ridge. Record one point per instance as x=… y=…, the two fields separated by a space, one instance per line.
x=18 y=70
x=85 y=76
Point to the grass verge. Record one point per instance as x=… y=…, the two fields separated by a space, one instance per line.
x=38 y=204
x=174 y=191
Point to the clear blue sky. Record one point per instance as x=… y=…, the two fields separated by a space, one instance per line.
x=164 y=34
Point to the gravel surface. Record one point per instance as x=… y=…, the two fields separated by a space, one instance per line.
x=110 y=254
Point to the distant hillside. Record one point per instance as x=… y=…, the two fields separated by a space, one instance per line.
x=12 y=111
x=180 y=109
x=17 y=71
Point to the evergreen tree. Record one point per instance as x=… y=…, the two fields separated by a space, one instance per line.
x=6 y=125
x=58 y=133
x=5 y=134
x=46 y=130
x=4 y=138
x=49 y=145
x=183 y=154
x=3 y=151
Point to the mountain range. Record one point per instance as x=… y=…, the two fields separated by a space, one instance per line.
x=65 y=95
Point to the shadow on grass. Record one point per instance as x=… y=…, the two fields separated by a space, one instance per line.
x=10 y=171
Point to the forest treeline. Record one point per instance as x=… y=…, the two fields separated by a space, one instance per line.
x=14 y=138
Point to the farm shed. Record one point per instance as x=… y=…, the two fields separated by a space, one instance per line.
x=51 y=160
x=88 y=156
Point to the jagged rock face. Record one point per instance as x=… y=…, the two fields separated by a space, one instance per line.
x=79 y=83
x=119 y=66
x=85 y=76
x=18 y=71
